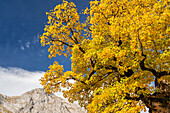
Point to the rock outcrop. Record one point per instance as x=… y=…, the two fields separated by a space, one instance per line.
x=37 y=101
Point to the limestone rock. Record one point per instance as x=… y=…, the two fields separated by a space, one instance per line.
x=37 y=101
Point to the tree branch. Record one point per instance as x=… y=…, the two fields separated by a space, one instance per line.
x=77 y=80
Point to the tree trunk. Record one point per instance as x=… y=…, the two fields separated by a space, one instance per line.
x=160 y=102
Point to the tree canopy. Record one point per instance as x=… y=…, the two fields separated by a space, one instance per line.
x=120 y=57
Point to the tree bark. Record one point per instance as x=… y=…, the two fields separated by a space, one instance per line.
x=160 y=102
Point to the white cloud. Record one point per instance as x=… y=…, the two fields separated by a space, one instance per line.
x=22 y=47
x=27 y=44
x=16 y=81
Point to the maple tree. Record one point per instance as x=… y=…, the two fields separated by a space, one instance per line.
x=120 y=57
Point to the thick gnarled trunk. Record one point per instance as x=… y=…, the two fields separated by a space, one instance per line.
x=160 y=102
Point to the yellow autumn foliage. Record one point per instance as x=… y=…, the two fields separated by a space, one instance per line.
x=121 y=48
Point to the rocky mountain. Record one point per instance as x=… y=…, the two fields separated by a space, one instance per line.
x=37 y=101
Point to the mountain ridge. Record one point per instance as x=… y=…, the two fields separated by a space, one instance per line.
x=37 y=101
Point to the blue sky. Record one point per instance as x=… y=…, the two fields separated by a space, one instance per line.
x=21 y=21
x=23 y=61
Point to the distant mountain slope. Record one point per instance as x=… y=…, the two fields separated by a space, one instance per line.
x=37 y=101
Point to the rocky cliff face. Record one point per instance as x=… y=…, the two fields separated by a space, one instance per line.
x=37 y=101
